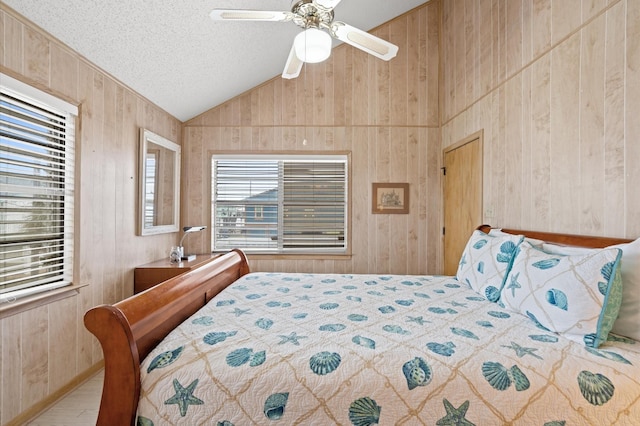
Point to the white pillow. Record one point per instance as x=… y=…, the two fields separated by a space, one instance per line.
x=485 y=262
x=566 y=250
x=628 y=322
x=577 y=296
x=497 y=232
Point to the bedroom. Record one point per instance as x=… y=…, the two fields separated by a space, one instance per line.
x=524 y=84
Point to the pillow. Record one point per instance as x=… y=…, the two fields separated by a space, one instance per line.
x=485 y=262
x=566 y=250
x=577 y=296
x=628 y=322
x=495 y=232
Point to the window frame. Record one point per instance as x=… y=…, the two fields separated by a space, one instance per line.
x=25 y=296
x=288 y=156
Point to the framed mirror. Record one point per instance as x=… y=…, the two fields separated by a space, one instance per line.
x=159 y=185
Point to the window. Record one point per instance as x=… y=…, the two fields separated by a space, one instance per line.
x=259 y=213
x=150 y=198
x=280 y=203
x=37 y=133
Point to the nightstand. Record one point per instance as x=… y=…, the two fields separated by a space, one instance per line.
x=147 y=275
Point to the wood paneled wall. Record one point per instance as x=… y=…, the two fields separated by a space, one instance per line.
x=556 y=87
x=385 y=113
x=557 y=93
x=42 y=350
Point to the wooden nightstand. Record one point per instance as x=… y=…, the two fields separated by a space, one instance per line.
x=147 y=275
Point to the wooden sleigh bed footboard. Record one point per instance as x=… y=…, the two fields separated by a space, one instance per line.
x=130 y=329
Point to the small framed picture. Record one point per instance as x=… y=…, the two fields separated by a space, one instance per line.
x=390 y=198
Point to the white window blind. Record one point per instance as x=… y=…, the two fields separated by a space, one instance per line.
x=150 y=198
x=280 y=204
x=36 y=191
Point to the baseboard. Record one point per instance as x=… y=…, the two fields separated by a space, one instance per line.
x=35 y=410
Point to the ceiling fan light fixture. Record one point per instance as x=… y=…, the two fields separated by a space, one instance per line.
x=312 y=45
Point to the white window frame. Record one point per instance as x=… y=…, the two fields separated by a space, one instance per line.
x=29 y=264
x=329 y=236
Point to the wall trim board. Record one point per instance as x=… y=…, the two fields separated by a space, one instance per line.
x=306 y=126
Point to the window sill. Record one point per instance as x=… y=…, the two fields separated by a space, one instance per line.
x=315 y=256
x=17 y=306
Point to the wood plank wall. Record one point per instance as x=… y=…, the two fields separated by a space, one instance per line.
x=45 y=349
x=385 y=113
x=556 y=92
x=556 y=87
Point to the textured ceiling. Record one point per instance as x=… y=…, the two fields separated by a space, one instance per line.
x=172 y=53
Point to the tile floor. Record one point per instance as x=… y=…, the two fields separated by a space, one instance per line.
x=80 y=407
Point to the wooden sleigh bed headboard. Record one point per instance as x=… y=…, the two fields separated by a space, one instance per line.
x=564 y=239
x=130 y=329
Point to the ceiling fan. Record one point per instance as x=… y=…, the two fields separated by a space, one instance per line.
x=314 y=43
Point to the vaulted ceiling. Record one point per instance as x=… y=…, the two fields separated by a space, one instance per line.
x=172 y=53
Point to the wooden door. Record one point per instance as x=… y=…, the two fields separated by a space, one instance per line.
x=462 y=197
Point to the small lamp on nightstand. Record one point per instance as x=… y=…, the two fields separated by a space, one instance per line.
x=187 y=230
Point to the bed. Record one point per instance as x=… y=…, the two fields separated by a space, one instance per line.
x=220 y=345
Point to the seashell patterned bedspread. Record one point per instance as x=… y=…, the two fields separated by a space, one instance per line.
x=300 y=349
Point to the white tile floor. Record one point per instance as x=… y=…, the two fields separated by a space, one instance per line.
x=80 y=407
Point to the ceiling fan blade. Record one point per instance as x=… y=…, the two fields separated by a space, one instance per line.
x=293 y=66
x=249 y=15
x=327 y=4
x=364 y=41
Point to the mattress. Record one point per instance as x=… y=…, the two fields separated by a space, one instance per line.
x=324 y=349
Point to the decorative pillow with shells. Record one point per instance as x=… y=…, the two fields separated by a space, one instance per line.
x=486 y=261
x=577 y=296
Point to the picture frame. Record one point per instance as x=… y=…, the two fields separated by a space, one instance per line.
x=390 y=198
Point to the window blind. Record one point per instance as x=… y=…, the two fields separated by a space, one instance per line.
x=36 y=195
x=150 y=198
x=280 y=204
x=314 y=204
